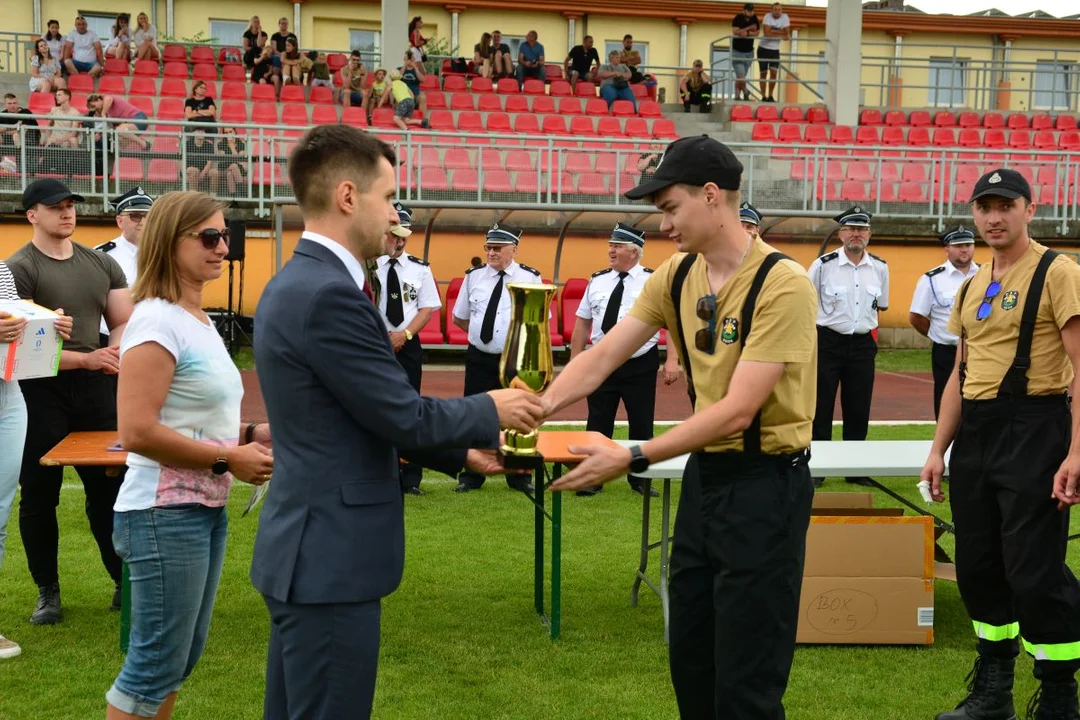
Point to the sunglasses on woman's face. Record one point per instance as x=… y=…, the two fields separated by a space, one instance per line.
x=987 y=305
x=210 y=237
x=705 y=338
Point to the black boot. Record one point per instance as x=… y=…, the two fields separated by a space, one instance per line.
x=1054 y=701
x=47 y=611
x=990 y=684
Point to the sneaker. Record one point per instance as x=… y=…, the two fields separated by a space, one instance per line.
x=117 y=599
x=8 y=649
x=47 y=611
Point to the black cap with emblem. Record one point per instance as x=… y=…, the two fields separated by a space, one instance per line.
x=500 y=234
x=134 y=200
x=1002 y=183
x=696 y=161
x=402 y=229
x=749 y=214
x=624 y=234
x=958 y=236
x=47 y=191
x=854 y=217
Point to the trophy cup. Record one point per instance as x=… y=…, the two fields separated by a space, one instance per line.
x=526 y=364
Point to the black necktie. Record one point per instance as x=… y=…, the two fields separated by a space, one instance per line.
x=611 y=315
x=371 y=284
x=395 y=313
x=487 y=330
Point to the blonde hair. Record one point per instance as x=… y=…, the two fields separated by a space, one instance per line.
x=174 y=215
x=395 y=74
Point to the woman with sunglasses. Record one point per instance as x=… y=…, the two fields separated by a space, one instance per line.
x=178 y=410
x=1015 y=459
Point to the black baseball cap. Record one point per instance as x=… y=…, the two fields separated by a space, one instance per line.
x=1002 y=182
x=47 y=192
x=692 y=161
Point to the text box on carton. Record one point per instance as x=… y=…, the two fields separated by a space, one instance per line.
x=37 y=353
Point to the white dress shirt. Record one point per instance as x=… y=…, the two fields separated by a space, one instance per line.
x=849 y=295
x=934 y=295
x=595 y=301
x=356 y=270
x=418 y=288
x=472 y=302
x=126 y=254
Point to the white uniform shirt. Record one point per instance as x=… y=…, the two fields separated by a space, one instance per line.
x=418 y=288
x=127 y=255
x=849 y=296
x=934 y=295
x=595 y=301
x=472 y=302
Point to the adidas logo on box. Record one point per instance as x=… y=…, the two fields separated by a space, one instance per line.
x=37 y=353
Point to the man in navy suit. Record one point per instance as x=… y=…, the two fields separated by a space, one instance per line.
x=331 y=535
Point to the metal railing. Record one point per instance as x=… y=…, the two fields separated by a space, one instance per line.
x=491 y=170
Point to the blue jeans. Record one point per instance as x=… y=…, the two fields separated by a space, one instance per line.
x=12 y=439
x=174 y=556
x=610 y=93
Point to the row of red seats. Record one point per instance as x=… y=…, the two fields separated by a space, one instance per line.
x=453 y=158
x=532 y=124
x=531 y=182
x=787 y=114
x=917 y=137
x=541 y=104
x=956 y=172
x=857 y=191
x=967 y=119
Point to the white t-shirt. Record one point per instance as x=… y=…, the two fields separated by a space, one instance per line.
x=82 y=49
x=203 y=404
x=780 y=23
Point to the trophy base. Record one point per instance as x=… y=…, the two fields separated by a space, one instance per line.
x=517 y=461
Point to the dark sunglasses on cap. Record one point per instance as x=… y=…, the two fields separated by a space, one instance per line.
x=705 y=338
x=987 y=305
x=210 y=237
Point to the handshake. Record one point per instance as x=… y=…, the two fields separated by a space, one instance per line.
x=520 y=410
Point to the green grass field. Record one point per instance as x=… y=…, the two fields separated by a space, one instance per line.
x=460 y=638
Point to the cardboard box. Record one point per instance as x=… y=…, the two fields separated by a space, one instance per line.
x=869 y=578
x=37 y=353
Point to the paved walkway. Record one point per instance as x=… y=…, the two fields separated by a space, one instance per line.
x=897 y=396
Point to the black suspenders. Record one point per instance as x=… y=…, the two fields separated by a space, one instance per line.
x=1014 y=384
x=752 y=434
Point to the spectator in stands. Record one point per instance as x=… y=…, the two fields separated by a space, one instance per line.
x=484 y=56
x=251 y=38
x=649 y=161
x=120 y=43
x=60 y=132
x=291 y=67
x=82 y=50
x=353 y=76
x=377 y=95
x=416 y=40
x=277 y=43
x=178 y=408
x=319 y=73
x=9 y=135
x=615 y=80
x=45 y=71
x=55 y=39
x=630 y=57
x=582 y=62
x=110 y=106
x=504 y=63
x=530 y=59
x=404 y=103
x=744 y=28
x=198 y=107
x=234 y=151
x=262 y=63
x=412 y=74
x=695 y=88
x=201 y=164
x=145 y=39
x=775 y=27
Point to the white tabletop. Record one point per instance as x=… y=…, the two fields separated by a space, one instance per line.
x=837 y=458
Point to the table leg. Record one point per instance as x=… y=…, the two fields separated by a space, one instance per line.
x=125 y=608
x=538 y=549
x=665 y=517
x=556 y=558
x=643 y=562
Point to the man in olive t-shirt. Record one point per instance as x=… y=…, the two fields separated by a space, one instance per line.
x=53 y=271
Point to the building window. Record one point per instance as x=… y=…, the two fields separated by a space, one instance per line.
x=228 y=32
x=1052 y=85
x=948 y=82
x=101 y=25
x=720 y=72
x=822 y=74
x=367 y=42
x=514 y=42
x=611 y=46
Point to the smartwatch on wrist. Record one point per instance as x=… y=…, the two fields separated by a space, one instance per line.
x=220 y=466
x=638 y=462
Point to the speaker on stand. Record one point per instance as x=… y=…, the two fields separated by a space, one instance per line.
x=230 y=326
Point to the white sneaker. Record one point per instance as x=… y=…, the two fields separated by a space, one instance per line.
x=8 y=649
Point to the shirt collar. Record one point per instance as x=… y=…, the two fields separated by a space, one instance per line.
x=492 y=272
x=123 y=243
x=845 y=260
x=951 y=269
x=356 y=270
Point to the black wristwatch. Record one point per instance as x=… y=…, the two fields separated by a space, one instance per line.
x=220 y=466
x=638 y=462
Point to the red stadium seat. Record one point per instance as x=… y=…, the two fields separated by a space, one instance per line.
x=1065 y=122
x=944 y=137
x=1042 y=122
x=482 y=85
x=585 y=89
x=763 y=132
x=116 y=66
x=532 y=87
x=203 y=54
x=896 y=118
x=919 y=118
x=486 y=102
x=143 y=86
x=357 y=117
x=867 y=135
x=324 y=114
x=428 y=82
x=526 y=124
x=649 y=109
x=993 y=120
x=817 y=115
x=172 y=87
x=541 y=104
x=742 y=113
x=233 y=73
x=767 y=113
x=205 y=72
x=173 y=109
x=636 y=127
x=1017 y=121
x=320 y=95
x=265 y=114
x=593 y=106
x=262 y=92
x=454 y=334
x=969 y=137
x=552 y=72
x=146 y=68
x=663 y=129
x=869 y=116
x=499 y=122
x=80 y=83
x=292 y=94
x=561 y=88
x=176 y=70
x=471 y=122
x=162 y=170
x=453 y=83
x=945 y=118
x=792 y=114
x=462 y=101
x=582 y=125
x=569 y=300
x=336 y=61
x=432 y=332
x=174 y=53
x=609 y=127
x=143 y=103
x=994 y=138
x=508 y=86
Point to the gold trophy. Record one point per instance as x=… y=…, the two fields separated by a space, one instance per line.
x=526 y=364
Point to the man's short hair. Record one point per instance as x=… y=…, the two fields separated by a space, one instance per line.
x=283 y=18
x=355 y=53
x=327 y=154
x=10 y=96
x=79 y=17
x=627 y=36
x=587 y=37
x=57 y=91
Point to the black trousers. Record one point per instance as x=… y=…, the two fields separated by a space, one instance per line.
x=411 y=358
x=736 y=574
x=634 y=384
x=701 y=97
x=73 y=400
x=845 y=362
x=1010 y=536
x=482 y=375
x=942 y=361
